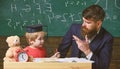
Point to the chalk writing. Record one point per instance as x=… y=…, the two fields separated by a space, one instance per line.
x=106 y=3
x=116 y=4
x=13 y=7
x=47 y=9
x=27 y=8
x=74 y=3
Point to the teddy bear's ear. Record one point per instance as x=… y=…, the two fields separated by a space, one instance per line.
x=17 y=38
x=7 y=39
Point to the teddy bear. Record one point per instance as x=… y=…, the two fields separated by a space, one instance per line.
x=14 y=47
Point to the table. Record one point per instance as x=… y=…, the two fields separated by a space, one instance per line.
x=48 y=65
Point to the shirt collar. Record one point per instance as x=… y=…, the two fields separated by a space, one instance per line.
x=90 y=40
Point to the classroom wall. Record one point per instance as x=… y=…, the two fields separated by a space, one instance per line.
x=52 y=42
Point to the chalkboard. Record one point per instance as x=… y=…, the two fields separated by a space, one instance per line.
x=56 y=15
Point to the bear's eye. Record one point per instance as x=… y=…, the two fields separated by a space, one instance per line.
x=16 y=40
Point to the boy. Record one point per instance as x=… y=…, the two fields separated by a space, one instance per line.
x=35 y=38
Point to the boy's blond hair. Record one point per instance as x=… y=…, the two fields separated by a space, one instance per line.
x=33 y=36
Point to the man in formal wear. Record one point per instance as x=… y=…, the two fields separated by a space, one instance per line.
x=89 y=39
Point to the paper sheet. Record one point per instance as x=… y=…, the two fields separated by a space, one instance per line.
x=72 y=59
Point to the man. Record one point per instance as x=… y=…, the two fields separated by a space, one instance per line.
x=89 y=39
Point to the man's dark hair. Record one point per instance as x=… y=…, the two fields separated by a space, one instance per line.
x=94 y=11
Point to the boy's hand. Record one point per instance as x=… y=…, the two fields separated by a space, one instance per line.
x=56 y=55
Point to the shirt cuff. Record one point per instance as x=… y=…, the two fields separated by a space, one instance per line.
x=89 y=55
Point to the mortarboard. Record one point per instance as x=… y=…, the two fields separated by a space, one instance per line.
x=33 y=28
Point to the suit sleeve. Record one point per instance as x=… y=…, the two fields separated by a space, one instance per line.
x=66 y=43
x=103 y=57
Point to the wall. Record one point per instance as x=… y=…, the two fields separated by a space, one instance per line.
x=53 y=42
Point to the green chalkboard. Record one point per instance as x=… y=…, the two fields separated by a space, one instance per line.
x=56 y=15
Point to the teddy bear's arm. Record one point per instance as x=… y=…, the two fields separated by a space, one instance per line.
x=9 y=53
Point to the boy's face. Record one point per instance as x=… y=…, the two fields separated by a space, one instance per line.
x=39 y=41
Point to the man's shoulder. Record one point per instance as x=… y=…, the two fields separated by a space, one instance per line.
x=76 y=25
x=106 y=33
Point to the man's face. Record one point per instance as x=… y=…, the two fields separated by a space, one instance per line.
x=89 y=27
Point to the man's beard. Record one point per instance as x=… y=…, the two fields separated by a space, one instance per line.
x=89 y=33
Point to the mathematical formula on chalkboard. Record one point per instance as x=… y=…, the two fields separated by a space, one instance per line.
x=54 y=14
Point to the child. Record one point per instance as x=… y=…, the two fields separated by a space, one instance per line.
x=35 y=38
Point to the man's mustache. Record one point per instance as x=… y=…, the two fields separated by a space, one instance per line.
x=84 y=30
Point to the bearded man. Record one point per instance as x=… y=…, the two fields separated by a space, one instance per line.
x=89 y=39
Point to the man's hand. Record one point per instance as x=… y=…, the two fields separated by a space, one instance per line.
x=83 y=45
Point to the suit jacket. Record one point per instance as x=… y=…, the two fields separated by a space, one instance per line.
x=101 y=46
